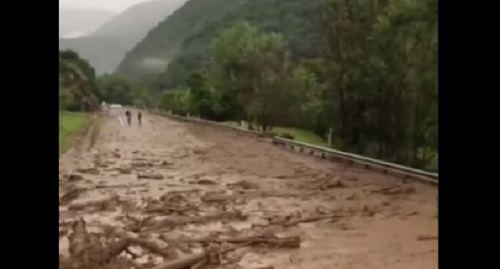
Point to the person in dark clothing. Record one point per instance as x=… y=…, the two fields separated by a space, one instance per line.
x=129 y=117
x=139 y=117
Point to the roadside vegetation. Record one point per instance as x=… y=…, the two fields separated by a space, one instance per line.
x=70 y=124
x=372 y=84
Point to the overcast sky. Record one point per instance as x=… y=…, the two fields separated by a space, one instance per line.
x=112 y=5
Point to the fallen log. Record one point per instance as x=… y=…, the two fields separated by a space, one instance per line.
x=150 y=176
x=312 y=219
x=272 y=241
x=120 y=186
x=215 y=197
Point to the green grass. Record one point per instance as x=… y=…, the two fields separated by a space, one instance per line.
x=302 y=135
x=298 y=134
x=69 y=124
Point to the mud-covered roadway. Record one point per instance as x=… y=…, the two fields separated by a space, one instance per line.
x=177 y=195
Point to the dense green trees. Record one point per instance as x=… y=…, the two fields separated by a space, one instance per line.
x=80 y=90
x=372 y=81
x=120 y=90
x=77 y=85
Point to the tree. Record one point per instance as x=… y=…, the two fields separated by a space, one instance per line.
x=248 y=68
x=77 y=88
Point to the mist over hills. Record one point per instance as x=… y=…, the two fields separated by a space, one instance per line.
x=77 y=22
x=105 y=46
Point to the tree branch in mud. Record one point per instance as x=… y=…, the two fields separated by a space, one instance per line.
x=271 y=241
x=312 y=219
x=86 y=253
x=153 y=245
x=189 y=261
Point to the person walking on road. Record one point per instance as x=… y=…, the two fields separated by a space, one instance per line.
x=139 y=117
x=129 y=117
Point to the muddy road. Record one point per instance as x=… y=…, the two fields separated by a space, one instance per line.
x=175 y=195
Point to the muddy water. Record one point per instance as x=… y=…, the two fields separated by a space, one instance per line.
x=214 y=184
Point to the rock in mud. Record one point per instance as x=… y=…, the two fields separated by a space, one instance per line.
x=150 y=176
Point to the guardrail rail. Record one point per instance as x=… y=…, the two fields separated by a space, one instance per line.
x=324 y=153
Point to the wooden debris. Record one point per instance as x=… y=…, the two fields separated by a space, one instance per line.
x=185 y=262
x=103 y=204
x=168 y=209
x=270 y=240
x=150 y=176
x=87 y=252
x=142 y=165
x=153 y=245
x=170 y=222
x=393 y=190
x=244 y=184
x=427 y=237
x=120 y=186
x=203 y=182
x=92 y=171
x=313 y=219
x=75 y=177
x=70 y=195
x=125 y=171
x=214 y=197
x=191 y=260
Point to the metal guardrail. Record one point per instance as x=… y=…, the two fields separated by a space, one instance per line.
x=325 y=153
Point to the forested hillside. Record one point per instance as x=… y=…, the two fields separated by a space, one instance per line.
x=364 y=71
x=182 y=41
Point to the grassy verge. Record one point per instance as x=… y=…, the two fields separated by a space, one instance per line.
x=298 y=134
x=69 y=125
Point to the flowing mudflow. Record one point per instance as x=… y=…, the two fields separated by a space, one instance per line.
x=176 y=195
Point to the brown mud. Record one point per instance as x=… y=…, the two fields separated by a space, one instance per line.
x=176 y=195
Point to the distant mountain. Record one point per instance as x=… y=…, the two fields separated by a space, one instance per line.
x=133 y=24
x=104 y=53
x=106 y=46
x=73 y=22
